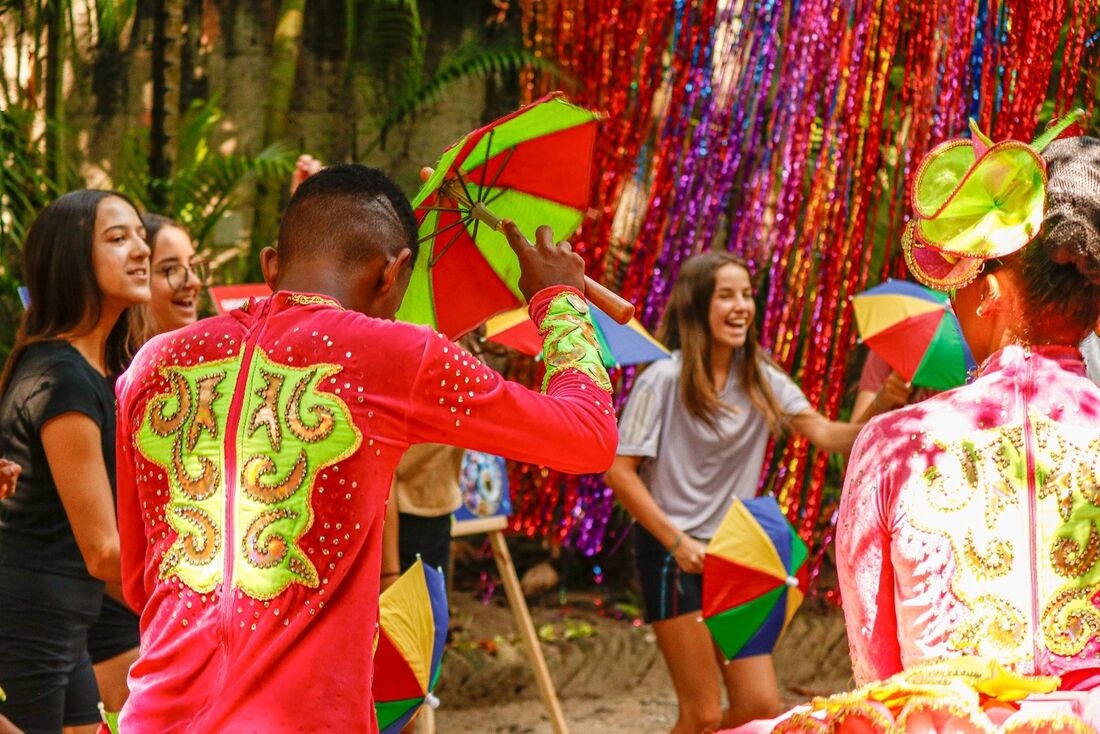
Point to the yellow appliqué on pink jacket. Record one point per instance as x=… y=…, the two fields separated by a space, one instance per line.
x=970 y=524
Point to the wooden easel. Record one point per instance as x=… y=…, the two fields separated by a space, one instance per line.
x=494 y=526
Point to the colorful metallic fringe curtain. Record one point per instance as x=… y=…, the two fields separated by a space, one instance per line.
x=785 y=132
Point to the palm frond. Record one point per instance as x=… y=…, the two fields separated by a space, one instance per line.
x=201 y=198
x=130 y=170
x=24 y=190
x=195 y=130
x=205 y=184
x=385 y=42
x=24 y=186
x=471 y=61
x=111 y=18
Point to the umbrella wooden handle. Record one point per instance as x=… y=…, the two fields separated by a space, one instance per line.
x=610 y=302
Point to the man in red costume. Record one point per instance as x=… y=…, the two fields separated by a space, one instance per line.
x=256 y=451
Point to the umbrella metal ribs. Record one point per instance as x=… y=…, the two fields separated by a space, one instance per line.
x=614 y=305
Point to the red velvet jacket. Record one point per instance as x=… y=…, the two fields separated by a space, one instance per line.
x=255 y=455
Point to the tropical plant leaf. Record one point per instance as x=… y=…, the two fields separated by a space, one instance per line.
x=385 y=42
x=24 y=190
x=205 y=183
x=111 y=19
x=469 y=61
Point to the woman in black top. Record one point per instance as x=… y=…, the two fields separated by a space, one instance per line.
x=85 y=264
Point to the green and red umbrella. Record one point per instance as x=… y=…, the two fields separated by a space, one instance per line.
x=412 y=630
x=534 y=167
x=754 y=573
x=915 y=331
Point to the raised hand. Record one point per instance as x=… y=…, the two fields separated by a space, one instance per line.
x=305 y=167
x=544 y=264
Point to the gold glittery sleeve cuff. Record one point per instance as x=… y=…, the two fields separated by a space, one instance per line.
x=569 y=340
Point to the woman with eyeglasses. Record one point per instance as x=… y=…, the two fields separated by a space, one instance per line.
x=176 y=277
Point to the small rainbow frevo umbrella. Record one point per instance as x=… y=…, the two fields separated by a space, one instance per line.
x=915 y=331
x=412 y=624
x=754 y=574
x=620 y=344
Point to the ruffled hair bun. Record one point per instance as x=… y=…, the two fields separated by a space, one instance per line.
x=1071 y=223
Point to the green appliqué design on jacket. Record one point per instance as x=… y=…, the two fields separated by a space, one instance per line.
x=183 y=432
x=288 y=431
x=569 y=341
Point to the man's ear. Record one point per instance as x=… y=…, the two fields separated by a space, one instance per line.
x=395 y=266
x=269 y=265
x=990 y=293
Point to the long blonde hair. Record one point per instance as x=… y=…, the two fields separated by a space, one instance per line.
x=686 y=327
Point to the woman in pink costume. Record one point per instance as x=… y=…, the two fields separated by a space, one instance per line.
x=968 y=547
x=970 y=523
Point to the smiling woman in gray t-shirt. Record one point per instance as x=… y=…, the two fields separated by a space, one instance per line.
x=692 y=438
x=693 y=471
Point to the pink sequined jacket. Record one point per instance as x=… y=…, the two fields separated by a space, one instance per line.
x=255 y=455
x=970 y=523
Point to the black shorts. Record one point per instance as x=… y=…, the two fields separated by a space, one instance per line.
x=427 y=537
x=44 y=665
x=115 y=632
x=667 y=590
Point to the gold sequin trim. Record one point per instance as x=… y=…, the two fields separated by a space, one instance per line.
x=301 y=300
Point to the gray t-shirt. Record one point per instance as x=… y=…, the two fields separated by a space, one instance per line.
x=692 y=471
x=1090 y=350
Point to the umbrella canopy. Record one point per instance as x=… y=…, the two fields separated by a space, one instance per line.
x=753 y=575
x=915 y=331
x=534 y=167
x=412 y=624
x=620 y=344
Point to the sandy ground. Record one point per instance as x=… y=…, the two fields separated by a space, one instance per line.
x=648 y=707
x=608 y=673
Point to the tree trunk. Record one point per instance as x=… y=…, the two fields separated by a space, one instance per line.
x=54 y=76
x=280 y=88
x=192 y=86
x=164 y=115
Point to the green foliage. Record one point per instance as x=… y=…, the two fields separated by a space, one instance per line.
x=469 y=61
x=385 y=57
x=24 y=190
x=111 y=18
x=205 y=183
x=384 y=42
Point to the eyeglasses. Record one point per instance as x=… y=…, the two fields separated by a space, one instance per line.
x=177 y=274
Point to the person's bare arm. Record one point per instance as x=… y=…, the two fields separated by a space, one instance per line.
x=6 y=727
x=864 y=400
x=391 y=558
x=630 y=490
x=72 y=442
x=894 y=392
x=824 y=433
x=304 y=167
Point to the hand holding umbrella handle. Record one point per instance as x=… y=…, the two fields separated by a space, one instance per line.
x=608 y=301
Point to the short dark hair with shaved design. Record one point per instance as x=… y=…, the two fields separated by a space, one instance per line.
x=349 y=211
